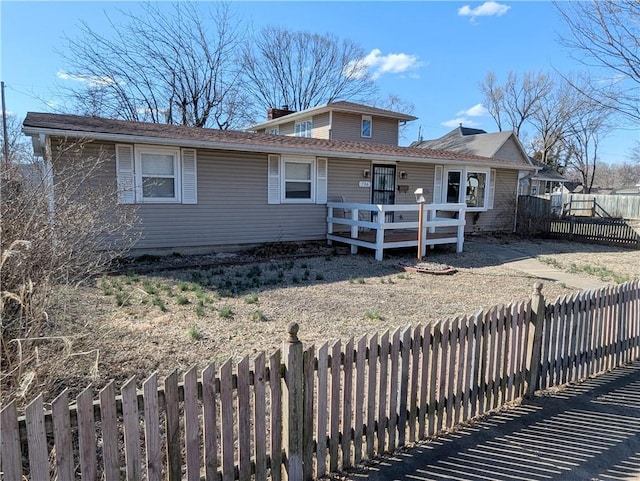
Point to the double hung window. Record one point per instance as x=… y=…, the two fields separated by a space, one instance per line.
x=158 y=174
x=303 y=128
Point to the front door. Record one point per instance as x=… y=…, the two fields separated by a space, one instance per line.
x=383 y=190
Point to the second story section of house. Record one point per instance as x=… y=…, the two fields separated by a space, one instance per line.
x=336 y=121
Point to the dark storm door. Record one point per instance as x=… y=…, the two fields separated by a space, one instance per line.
x=383 y=190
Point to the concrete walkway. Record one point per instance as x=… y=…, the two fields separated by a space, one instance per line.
x=520 y=261
x=589 y=431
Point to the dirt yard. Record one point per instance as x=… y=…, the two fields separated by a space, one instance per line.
x=133 y=324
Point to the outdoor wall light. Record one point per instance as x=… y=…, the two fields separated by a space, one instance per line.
x=403 y=174
x=365 y=173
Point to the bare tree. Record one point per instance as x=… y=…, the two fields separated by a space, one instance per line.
x=517 y=100
x=550 y=121
x=493 y=98
x=606 y=34
x=589 y=123
x=177 y=66
x=304 y=70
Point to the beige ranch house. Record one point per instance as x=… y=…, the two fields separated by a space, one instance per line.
x=332 y=173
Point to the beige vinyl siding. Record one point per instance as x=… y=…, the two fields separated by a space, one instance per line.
x=501 y=217
x=287 y=128
x=232 y=206
x=321 y=126
x=232 y=209
x=348 y=127
x=344 y=176
x=510 y=151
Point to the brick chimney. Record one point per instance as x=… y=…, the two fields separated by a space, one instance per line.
x=274 y=113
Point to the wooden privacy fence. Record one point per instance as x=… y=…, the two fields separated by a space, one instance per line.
x=621 y=206
x=615 y=232
x=304 y=412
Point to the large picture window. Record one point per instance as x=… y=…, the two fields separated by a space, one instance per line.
x=470 y=186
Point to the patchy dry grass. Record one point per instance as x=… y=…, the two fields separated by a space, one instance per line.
x=135 y=324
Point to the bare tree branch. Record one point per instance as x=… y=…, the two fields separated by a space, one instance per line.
x=606 y=35
x=304 y=70
x=177 y=66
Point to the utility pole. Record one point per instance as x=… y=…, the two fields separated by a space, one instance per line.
x=5 y=143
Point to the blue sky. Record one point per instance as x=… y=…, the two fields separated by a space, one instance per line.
x=431 y=53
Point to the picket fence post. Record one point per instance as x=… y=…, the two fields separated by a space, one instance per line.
x=534 y=347
x=292 y=405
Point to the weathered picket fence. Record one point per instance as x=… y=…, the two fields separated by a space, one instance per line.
x=304 y=412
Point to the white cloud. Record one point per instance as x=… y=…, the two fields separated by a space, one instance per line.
x=377 y=64
x=478 y=110
x=487 y=9
x=92 y=80
x=461 y=120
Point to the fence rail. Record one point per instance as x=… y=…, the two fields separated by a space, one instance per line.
x=304 y=412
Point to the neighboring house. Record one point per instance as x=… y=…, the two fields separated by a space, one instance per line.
x=201 y=188
x=546 y=180
x=499 y=145
x=336 y=121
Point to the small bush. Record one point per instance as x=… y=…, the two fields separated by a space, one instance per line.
x=200 y=308
x=194 y=333
x=251 y=298
x=259 y=316
x=159 y=303
x=182 y=300
x=122 y=298
x=373 y=315
x=225 y=312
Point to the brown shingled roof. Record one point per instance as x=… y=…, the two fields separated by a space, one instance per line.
x=94 y=127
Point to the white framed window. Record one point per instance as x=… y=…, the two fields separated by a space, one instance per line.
x=472 y=186
x=365 y=130
x=303 y=128
x=156 y=174
x=274 y=131
x=296 y=179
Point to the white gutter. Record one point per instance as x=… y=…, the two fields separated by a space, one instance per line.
x=268 y=149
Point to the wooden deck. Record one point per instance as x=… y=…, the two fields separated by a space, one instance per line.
x=378 y=233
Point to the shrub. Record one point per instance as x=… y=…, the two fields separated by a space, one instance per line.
x=53 y=238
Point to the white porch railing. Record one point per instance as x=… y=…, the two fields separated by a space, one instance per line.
x=437 y=229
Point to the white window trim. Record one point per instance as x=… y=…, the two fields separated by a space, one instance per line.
x=283 y=181
x=463 y=184
x=274 y=131
x=177 y=187
x=308 y=131
x=366 y=117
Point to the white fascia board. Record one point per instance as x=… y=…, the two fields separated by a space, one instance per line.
x=267 y=149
